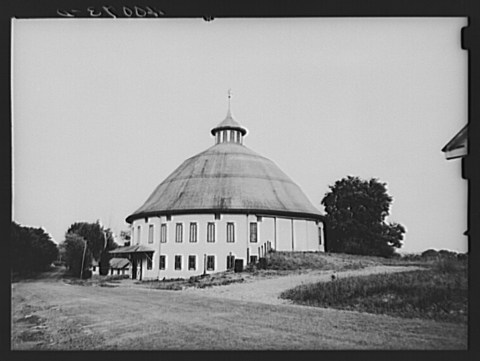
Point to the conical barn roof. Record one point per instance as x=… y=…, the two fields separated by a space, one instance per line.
x=228 y=178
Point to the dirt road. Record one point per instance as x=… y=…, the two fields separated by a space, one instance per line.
x=268 y=290
x=53 y=315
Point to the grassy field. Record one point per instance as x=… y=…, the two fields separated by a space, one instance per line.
x=51 y=314
x=440 y=292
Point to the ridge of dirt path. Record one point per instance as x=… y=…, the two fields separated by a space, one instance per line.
x=268 y=290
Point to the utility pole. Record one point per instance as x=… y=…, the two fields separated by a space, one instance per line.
x=83 y=258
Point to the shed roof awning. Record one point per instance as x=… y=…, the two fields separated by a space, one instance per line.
x=119 y=263
x=132 y=249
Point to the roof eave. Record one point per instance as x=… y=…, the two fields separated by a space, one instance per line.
x=458 y=141
x=227 y=127
x=261 y=212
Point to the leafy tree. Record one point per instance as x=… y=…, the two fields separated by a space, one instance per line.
x=74 y=248
x=99 y=242
x=105 y=256
x=32 y=249
x=355 y=221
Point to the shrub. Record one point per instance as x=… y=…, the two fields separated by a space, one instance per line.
x=447 y=254
x=445 y=266
x=86 y=274
x=429 y=254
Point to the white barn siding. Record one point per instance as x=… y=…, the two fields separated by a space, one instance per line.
x=300 y=234
x=305 y=232
x=321 y=236
x=220 y=248
x=267 y=230
x=313 y=237
x=284 y=234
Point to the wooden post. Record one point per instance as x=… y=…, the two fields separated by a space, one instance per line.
x=275 y=232
x=293 y=237
x=83 y=258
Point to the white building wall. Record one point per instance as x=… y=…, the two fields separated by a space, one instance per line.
x=306 y=238
x=200 y=249
x=252 y=246
x=300 y=234
x=267 y=233
x=321 y=236
x=284 y=234
x=313 y=237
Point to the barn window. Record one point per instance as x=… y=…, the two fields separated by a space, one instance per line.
x=161 y=264
x=217 y=216
x=230 y=232
x=192 y=262
x=138 y=235
x=163 y=233
x=179 y=233
x=149 y=263
x=319 y=236
x=253 y=232
x=253 y=259
x=150 y=233
x=230 y=261
x=211 y=232
x=210 y=263
x=193 y=232
x=169 y=217
x=178 y=263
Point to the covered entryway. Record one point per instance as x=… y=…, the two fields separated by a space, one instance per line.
x=136 y=254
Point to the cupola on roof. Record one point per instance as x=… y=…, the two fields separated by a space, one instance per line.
x=229 y=123
x=228 y=178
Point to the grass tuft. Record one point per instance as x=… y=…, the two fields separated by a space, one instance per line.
x=439 y=293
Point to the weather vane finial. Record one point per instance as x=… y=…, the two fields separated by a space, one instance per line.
x=229 y=97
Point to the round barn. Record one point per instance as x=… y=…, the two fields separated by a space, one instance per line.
x=224 y=204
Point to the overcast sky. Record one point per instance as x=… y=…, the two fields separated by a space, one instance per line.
x=104 y=110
